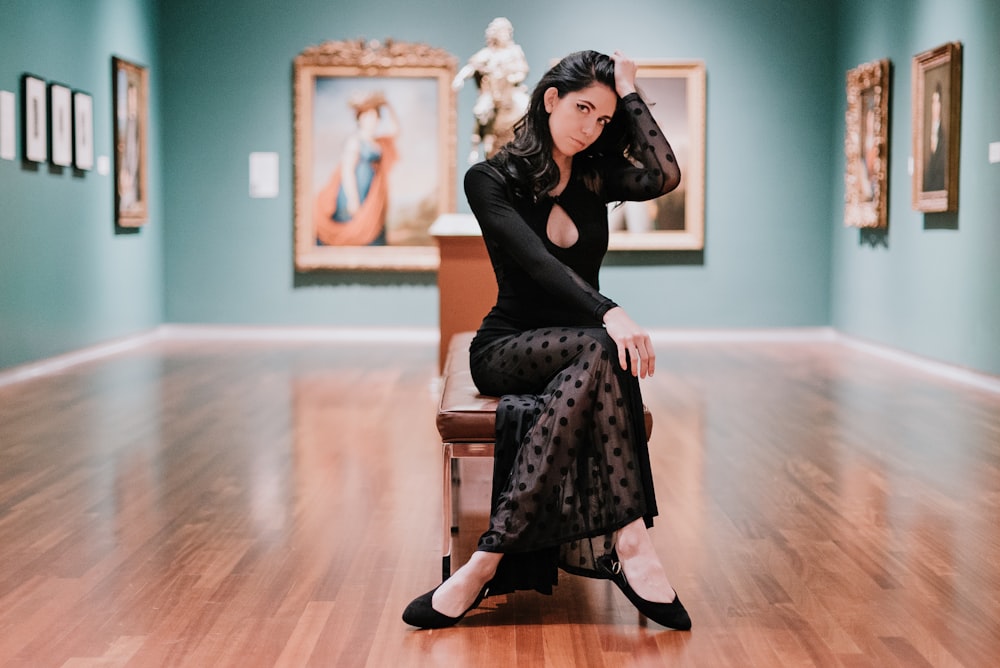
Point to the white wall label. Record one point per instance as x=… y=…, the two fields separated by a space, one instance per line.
x=263 y=175
x=994 y=152
x=7 y=132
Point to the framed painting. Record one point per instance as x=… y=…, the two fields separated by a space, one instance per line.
x=60 y=125
x=34 y=118
x=936 y=106
x=675 y=93
x=83 y=131
x=866 y=146
x=374 y=154
x=130 y=92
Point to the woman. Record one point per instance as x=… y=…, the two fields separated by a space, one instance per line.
x=934 y=171
x=350 y=209
x=572 y=486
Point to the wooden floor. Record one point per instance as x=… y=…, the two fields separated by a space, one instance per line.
x=247 y=504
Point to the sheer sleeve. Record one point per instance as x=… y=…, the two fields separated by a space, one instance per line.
x=510 y=235
x=653 y=171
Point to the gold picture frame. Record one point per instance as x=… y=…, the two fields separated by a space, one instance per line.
x=866 y=145
x=936 y=107
x=130 y=91
x=675 y=94
x=389 y=105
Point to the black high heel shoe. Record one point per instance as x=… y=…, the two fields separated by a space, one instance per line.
x=672 y=615
x=421 y=613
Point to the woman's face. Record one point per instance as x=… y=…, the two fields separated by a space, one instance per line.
x=368 y=120
x=577 y=119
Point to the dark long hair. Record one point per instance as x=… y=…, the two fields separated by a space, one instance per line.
x=526 y=160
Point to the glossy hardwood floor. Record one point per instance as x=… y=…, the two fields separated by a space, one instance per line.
x=249 y=504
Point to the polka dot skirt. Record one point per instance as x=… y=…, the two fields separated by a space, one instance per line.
x=571 y=464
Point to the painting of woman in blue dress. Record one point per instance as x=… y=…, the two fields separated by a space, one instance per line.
x=374 y=154
x=351 y=208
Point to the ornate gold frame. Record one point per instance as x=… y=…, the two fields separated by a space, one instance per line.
x=682 y=118
x=941 y=65
x=131 y=117
x=402 y=65
x=866 y=145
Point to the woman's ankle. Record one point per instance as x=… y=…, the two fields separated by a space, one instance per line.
x=632 y=539
x=484 y=564
x=457 y=592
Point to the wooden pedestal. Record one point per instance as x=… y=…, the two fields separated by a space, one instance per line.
x=466 y=284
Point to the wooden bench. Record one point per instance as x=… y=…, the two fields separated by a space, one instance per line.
x=466 y=421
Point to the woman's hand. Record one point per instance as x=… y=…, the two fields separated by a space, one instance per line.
x=625 y=69
x=631 y=339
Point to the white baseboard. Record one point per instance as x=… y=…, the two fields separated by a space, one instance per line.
x=962 y=375
x=395 y=335
x=399 y=335
x=62 y=362
x=789 y=334
x=429 y=335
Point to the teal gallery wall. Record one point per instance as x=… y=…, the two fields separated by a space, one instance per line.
x=776 y=252
x=68 y=278
x=931 y=284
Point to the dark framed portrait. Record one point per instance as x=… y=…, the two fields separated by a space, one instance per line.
x=83 y=131
x=937 y=113
x=60 y=125
x=374 y=154
x=34 y=118
x=130 y=91
x=866 y=145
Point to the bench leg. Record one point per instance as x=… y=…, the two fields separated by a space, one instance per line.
x=446 y=514
x=456 y=480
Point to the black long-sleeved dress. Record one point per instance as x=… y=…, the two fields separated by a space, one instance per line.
x=571 y=464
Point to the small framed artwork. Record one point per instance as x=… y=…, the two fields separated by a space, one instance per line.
x=375 y=142
x=675 y=94
x=60 y=125
x=83 y=131
x=866 y=145
x=130 y=89
x=937 y=113
x=34 y=118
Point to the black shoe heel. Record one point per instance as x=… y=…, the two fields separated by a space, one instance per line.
x=421 y=613
x=671 y=615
